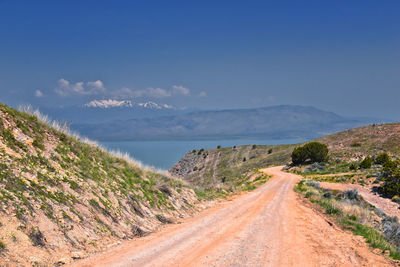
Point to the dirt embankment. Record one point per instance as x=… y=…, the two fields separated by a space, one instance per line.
x=267 y=227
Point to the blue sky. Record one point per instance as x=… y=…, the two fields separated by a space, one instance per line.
x=342 y=56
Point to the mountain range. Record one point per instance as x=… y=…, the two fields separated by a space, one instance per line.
x=100 y=111
x=276 y=122
x=112 y=103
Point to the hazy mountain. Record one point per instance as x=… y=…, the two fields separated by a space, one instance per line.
x=277 y=122
x=112 y=103
x=100 y=111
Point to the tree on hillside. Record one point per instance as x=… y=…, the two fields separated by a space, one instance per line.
x=366 y=163
x=391 y=177
x=299 y=156
x=313 y=152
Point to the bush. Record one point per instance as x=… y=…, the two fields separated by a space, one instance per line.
x=299 y=156
x=391 y=177
x=218 y=147
x=366 y=163
x=355 y=144
x=351 y=194
x=396 y=199
x=353 y=166
x=37 y=237
x=314 y=152
x=391 y=229
x=315 y=167
x=312 y=183
x=382 y=158
x=327 y=194
x=270 y=151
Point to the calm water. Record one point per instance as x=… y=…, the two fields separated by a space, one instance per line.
x=164 y=154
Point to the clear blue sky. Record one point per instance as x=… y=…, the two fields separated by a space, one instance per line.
x=342 y=56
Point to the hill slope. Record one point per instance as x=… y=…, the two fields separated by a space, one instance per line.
x=223 y=167
x=227 y=168
x=278 y=122
x=61 y=198
x=367 y=140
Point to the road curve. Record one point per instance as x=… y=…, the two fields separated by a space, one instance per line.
x=267 y=227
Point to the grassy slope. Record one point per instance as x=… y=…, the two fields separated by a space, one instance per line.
x=229 y=168
x=209 y=168
x=59 y=195
x=367 y=140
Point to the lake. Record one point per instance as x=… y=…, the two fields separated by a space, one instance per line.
x=164 y=154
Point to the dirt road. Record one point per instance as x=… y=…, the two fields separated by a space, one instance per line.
x=267 y=227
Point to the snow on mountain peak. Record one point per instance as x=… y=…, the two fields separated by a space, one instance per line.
x=111 y=103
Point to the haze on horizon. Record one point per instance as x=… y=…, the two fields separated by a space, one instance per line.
x=341 y=56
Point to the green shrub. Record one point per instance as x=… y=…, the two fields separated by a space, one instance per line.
x=299 y=156
x=366 y=163
x=382 y=158
x=309 y=194
x=355 y=144
x=353 y=166
x=396 y=199
x=270 y=151
x=2 y=246
x=391 y=177
x=313 y=151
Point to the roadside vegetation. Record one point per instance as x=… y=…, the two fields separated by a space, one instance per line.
x=351 y=212
x=87 y=196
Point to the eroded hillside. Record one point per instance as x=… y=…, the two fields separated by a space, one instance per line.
x=229 y=168
x=61 y=198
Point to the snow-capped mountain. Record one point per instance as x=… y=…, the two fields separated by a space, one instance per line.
x=109 y=103
x=112 y=103
x=153 y=105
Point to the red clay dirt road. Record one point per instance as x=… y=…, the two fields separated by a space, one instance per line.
x=267 y=227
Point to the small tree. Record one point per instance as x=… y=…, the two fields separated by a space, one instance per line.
x=317 y=152
x=391 y=177
x=366 y=163
x=299 y=156
x=314 y=152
